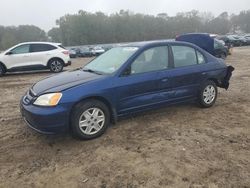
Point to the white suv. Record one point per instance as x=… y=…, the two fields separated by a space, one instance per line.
x=34 y=56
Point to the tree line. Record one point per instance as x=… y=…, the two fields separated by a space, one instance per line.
x=12 y=35
x=94 y=28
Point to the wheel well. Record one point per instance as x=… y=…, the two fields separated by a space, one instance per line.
x=55 y=58
x=214 y=80
x=3 y=65
x=113 y=115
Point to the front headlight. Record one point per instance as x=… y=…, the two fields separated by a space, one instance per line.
x=51 y=99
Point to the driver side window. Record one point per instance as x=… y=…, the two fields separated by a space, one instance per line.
x=21 y=49
x=152 y=59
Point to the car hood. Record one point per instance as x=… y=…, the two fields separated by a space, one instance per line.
x=64 y=81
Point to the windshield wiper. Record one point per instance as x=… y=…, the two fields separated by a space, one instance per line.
x=92 y=71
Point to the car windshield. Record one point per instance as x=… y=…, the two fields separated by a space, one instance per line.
x=111 y=61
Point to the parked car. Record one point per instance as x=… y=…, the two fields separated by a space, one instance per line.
x=228 y=43
x=34 y=56
x=72 y=53
x=77 y=52
x=96 y=51
x=235 y=40
x=242 y=39
x=220 y=49
x=247 y=37
x=206 y=42
x=85 y=52
x=122 y=81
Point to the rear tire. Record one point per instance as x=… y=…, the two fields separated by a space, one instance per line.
x=2 y=70
x=89 y=119
x=56 y=65
x=208 y=94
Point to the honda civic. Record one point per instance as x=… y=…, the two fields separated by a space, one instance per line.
x=124 y=80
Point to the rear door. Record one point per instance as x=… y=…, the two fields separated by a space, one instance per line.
x=41 y=53
x=140 y=88
x=187 y=73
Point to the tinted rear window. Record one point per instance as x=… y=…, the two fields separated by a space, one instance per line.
x=62 y=47
x=41 y=47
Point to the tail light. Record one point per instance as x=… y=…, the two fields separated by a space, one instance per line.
x=65 y=52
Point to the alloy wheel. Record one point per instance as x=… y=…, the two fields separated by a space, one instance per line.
x=56 y=66
x=209 y=94
x=91 y=121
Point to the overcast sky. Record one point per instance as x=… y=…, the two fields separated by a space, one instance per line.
x=43 y=13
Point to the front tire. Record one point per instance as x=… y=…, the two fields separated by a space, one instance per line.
x=208 y=94
x=56 y=65
x=2 y=70
x=90 y=119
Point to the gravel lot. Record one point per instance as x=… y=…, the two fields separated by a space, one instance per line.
x=179 y=146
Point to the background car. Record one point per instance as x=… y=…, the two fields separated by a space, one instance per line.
x=76 y=52
x=247 y=37
x=72 y=53
x=98 y=50
x=220 y=48
x=124 y=80
x=34 y=56
x=242 y=40
x=206 y=42
x=85 y=52
x=235 y=40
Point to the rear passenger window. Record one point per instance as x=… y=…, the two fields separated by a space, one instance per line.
x=200 y=58
x=41 y=47
x=184 y=56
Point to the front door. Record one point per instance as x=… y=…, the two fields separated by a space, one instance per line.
x=18 y=57
x=141 y=86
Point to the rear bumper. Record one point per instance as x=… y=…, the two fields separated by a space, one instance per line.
x=67 y=64
x=226 y=79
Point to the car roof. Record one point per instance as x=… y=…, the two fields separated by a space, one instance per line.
x=154 y=43
x=39 y=42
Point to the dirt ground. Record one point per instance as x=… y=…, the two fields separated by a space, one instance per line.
x=179 y=146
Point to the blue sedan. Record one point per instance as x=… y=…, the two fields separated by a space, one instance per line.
x=124 y=80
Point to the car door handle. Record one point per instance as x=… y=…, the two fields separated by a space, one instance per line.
x=204 y=73
x=164 y=80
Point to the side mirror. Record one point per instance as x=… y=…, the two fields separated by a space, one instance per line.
x=9 y=53
x=127 y=72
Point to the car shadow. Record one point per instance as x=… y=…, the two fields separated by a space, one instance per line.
x=165 y=109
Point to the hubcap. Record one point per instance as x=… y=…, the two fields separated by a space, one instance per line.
x=56 y=66
x=91 y=121
x=209 y=94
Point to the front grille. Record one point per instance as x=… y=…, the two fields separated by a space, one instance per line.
x=29 y=97
x=26 y=100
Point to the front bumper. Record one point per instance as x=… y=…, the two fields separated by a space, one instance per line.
x=45 y=120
